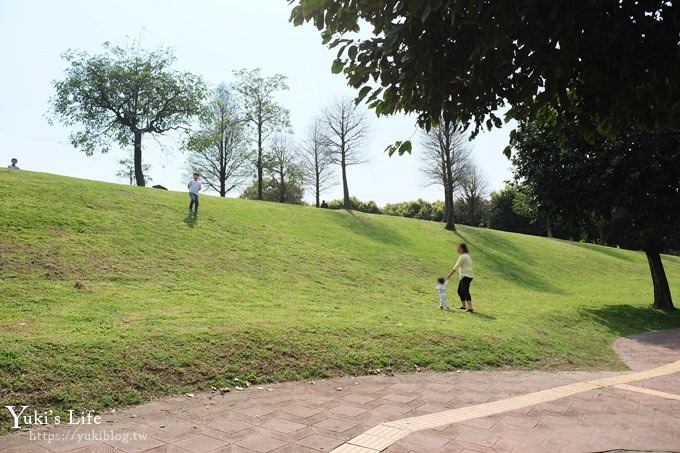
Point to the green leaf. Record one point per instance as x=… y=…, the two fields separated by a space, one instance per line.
x=363 y=93
x=337 y=67
x=400 y=148
x=405 y=147
x=390 y=150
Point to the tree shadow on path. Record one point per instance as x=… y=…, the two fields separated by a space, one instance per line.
x=625 y=320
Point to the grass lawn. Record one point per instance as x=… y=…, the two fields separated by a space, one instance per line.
x=266 y=292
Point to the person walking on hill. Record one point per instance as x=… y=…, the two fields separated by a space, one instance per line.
x=464 y=268
x=194 y=187
x=13 y=164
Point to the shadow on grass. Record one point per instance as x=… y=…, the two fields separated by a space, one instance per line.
x=365 y=226
x=191 y=220
x=511 y=263
x=609 y=251
x=483 y=316
x=624 y=320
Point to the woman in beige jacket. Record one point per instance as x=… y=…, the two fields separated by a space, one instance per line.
x=464 y=268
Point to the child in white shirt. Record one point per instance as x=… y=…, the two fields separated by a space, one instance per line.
x=441 y=287
x=194 y=187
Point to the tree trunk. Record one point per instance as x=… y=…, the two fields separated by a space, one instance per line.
x=662 y=291
x=449 y=217
x=284 y=189
x=317 y=189
x=346 y=202
x=447 y=172
x=139 y=173
x=260 y=165
x=473 y=211
x=223 y=168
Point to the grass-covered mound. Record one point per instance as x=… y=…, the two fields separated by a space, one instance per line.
x=263 y=291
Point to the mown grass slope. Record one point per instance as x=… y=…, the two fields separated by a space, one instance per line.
x=263 y=292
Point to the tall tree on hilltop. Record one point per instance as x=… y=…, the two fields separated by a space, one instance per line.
x=265 y=115
x=282 y=166
x=284 y=178
x=316 y=161
x=123 y=94
x=473 y=190
x=446 y=161
x=346 y=129
x=219 y=148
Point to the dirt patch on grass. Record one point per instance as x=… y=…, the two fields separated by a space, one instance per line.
x=25 y=258
x=53 y=262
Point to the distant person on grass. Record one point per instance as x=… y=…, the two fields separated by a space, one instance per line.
x=324 y=205
x=13 y=164
x=194 y=187
x=464 y=268
x=441 y=287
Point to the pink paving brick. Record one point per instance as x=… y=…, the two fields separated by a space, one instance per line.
x=260 y=443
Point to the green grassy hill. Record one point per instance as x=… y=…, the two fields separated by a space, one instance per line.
x=263 y=292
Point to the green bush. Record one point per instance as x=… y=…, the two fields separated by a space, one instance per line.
x=417 y=209
x=370 y=207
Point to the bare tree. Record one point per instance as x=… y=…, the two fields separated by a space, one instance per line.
x=473 y=188
x=346 y=129
x=316 y=161
x=218 y=150
x=127 y=170
x=262 y=111
x=282 y=166
x=445 y=163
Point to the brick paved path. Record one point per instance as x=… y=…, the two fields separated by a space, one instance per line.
x=303 y=417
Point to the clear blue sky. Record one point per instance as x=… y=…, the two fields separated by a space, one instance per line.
x=210 y=38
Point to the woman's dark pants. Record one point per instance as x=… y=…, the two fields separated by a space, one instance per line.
x=464 y=289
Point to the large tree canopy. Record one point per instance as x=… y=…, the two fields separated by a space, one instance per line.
x=619 y=61
x=121 y=94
